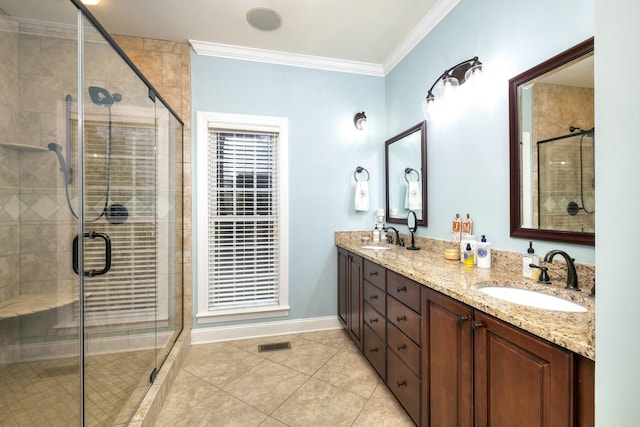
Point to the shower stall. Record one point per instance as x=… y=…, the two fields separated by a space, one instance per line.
x=91 y=250
x=566 y=182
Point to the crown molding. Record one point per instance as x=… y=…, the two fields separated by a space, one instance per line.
x=419 y=32
x=285 y=58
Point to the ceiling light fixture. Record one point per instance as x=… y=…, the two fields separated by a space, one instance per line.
x=264 y=19
x=455 y=76
x=90 y=2
x=360 y=121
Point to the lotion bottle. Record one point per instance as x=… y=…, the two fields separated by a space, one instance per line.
x=530 y=258
x=484 y=253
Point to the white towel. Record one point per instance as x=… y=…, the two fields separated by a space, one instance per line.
x=362 y=196
x=413 y=197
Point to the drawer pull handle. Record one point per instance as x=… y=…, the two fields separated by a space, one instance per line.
x=401 y=383
x=462 y=318
x=373 y=296
x=401 y=346
x=373 y=273
x=373 y=320
x=373 y=350
x=476 y=325
x=401 y=318
x=401 y=289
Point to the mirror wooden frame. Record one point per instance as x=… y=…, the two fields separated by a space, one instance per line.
x=514 y=150
x=422 y=128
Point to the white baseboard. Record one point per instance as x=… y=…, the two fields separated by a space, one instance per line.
x=263 y=329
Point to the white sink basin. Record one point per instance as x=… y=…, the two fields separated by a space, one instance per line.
x=378 y=248
x=532 y=298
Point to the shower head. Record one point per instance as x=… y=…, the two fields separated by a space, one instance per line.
x=57 y=149
x=101 y=96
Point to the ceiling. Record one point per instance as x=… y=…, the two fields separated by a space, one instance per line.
x=368 y=32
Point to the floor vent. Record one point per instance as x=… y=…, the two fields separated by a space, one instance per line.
x=274 y=347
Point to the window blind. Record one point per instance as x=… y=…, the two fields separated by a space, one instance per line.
x=243 y=243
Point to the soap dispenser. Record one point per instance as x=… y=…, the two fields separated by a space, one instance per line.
x=484 y=253
x=530 y=258
x=467 y=255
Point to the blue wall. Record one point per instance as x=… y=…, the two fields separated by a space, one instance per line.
x=324 y=150
x=618 y=151
x=468 y=151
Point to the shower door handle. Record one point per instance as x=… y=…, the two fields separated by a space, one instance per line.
x=107 y=256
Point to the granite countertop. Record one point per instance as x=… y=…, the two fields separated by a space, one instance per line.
x=570 y=330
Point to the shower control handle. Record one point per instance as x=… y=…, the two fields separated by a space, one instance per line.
x=107 y=256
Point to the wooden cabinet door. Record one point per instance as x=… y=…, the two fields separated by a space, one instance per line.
x=447 y=362
x=343 y=278
x=355 y=300
x=520 y=380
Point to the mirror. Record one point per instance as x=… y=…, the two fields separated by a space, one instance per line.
x=552 y=137
x=406 y=181
x=412 y=224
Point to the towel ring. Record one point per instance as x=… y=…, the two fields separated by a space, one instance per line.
x=407 y=172
x=360 y=169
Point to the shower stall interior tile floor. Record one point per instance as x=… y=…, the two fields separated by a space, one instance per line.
x=46 y=393
x=323 y=380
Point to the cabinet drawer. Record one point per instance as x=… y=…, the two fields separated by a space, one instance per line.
x=375 y=274
x=376 y=297
x=405 y=290
x=406 y=349
x=404 y=385
x=375 y=351
x=405 y=319
x=375 y=320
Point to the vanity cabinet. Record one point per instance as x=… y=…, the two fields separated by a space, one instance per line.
x=480 y=371
x=451 y=365
x=350 y=289
x=447 y=362
x=404 y=342
x=375 y=321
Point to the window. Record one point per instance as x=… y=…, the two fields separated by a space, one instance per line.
x=242 y=217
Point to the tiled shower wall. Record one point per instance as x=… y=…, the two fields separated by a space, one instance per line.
x=9 y=184
x=167 y=66
x=572 y=106
x=39 y=70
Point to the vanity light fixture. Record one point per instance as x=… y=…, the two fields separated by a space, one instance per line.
x=360 y=121
x=455 y=76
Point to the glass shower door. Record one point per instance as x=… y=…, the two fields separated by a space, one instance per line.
x=40 y=367
x=120 y=244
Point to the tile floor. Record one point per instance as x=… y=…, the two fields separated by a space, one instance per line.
x=46 y=393
x=323 y=380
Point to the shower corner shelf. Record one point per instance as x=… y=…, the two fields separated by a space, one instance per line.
x=23 y=147
x=34 y=303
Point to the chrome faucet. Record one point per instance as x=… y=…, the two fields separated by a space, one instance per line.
x=572 y=276
x=398 y=240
